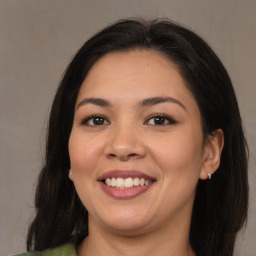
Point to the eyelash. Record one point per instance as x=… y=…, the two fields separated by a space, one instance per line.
x=93 y=118
x=164 y=120
x=162 y=117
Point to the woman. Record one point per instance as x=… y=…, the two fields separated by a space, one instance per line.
x=145 y=153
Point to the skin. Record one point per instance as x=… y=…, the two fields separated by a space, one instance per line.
x=130 y=138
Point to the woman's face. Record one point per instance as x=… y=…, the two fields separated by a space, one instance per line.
x=136 y=146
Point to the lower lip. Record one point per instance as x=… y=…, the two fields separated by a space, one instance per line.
x=125 y=193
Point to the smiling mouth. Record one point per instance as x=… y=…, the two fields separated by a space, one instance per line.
x=126 y=183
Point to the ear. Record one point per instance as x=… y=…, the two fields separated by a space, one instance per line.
x=70 y=175
x=212 y=153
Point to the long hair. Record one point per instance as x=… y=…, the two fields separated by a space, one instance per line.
x=220 y=207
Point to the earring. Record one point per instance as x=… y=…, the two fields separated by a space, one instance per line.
x=209 y=176
x=70 y=173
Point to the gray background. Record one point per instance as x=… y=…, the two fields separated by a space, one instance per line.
x=39 y=38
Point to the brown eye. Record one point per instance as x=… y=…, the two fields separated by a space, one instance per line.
x=95 y=121
x=160 y=120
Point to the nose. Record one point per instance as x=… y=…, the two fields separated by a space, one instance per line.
x=125 y=143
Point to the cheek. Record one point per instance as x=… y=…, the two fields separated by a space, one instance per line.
x=179 y=156
x=83 y=160
x=179 y=163
x=83 y=153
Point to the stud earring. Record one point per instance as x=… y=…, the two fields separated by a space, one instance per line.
x=70 y=173
x=209 y=176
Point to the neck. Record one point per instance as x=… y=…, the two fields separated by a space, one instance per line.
x=162 y=242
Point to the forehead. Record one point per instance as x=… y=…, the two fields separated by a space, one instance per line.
x=137 y=73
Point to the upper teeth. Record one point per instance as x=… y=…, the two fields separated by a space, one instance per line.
x=126 y=183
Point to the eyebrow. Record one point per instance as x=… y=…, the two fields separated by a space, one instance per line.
x=95 y=101
x=146 y=102
x=157 y=100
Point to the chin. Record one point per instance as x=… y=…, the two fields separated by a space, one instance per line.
x=126 y=221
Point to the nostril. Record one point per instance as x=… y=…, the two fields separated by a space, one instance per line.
x=122 y=157
x=124 y=152
x=132 y=155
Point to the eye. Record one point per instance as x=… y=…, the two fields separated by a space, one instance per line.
x=95 y=120
x=160 y=119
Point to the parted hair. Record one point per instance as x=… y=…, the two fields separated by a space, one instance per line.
x=221 y=204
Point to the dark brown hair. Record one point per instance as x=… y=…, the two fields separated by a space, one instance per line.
x=220 y=207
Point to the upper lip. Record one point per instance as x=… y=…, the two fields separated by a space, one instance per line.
x=124 y=174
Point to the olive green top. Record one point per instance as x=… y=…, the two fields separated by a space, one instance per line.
x=64 y=250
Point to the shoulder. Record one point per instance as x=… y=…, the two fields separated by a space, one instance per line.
x=64 y=250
